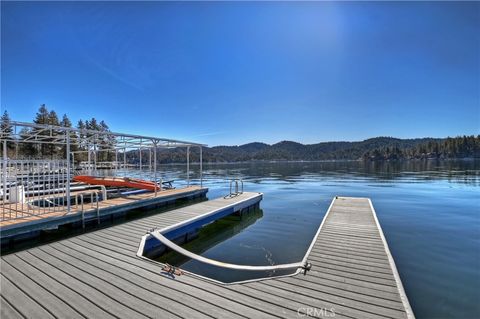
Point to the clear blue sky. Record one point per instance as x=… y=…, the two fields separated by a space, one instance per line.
x=231 y=73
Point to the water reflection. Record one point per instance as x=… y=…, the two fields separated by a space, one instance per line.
x=454 y=171
x=211 y=235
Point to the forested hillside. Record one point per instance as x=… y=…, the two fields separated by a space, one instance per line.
x=374 y=149
x=379 y=148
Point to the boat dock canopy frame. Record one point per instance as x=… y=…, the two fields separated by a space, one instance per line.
x=91 y=142
x=51 y=134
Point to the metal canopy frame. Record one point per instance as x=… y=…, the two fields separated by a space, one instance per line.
x=52 y=134
x=92 y=141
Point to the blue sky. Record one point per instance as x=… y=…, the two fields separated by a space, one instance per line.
x=232 y=73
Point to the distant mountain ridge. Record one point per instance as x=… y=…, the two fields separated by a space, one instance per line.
x=378 y=148
x=289 y=150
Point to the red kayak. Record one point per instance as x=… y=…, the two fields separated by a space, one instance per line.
x=117 y=181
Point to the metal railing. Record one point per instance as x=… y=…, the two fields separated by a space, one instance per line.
x=39 y=187
x=237 y=191
x=93 y=203
x=32 y=187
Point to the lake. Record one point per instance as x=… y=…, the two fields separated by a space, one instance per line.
x=429 y=212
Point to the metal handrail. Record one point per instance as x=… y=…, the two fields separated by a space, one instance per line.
x=237 y=192
x=93 y=194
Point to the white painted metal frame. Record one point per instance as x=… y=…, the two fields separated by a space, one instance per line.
x=23 y=132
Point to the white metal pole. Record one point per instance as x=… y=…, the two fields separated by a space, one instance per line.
x=88 y=160
x=155 y=165
x=4 y=174
x=188 y=165
x=95 y=157
x=201 y=168
x=150 y=160
x=140 y=155
x=68 y=173
x=124 y=159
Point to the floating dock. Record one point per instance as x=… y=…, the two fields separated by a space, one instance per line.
x=34 y=220
x=98 y=275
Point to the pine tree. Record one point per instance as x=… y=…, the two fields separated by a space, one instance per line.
x=6 y=129
x=5 y=125
x=92 y=124
x=26 y=149
x=65 y=122
x=42 y=118
x=81 y=141
x=105 y=143
x=42 y=115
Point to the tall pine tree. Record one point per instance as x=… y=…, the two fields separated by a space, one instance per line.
x=6 y=129
x=65 y=122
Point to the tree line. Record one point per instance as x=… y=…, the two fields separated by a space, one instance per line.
x=451 y=147
x=374 y=149
x=26 y=150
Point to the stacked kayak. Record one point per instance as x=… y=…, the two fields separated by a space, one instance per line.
x=117 y=182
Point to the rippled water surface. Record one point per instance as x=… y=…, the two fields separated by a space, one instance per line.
x=429 y=212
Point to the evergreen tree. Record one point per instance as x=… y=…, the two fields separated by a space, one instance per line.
x=42 y=117
x=92 y=124
x=6 y=129
x=106 y=143
x=26 y=149
x=65 y=122
x=5 y=125
x=81 y=141
x=54 y=150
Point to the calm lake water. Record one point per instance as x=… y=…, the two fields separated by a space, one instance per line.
x=429 y=211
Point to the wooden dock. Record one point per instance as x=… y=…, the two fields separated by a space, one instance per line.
x=36 y=219
x=97 y=275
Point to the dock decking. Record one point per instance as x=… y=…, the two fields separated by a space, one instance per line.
x=30 y=223
x=97 y=275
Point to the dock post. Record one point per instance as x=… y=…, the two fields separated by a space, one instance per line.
x=188 y=166
x=95 y=154
x=89 y=156
x=155 y=165
x=4 y=175
x=201 y=168
x=124 y=159
x=150 y=159
x=68 y=172
x=140 y=157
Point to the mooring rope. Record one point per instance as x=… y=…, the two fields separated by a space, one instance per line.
x=305 y=266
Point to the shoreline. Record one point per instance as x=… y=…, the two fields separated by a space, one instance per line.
x=328 y=161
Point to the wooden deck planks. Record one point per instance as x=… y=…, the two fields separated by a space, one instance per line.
x=70 y=296
x=350 y=247
x=25 y=213
x=7 y=310
x=98 y=275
